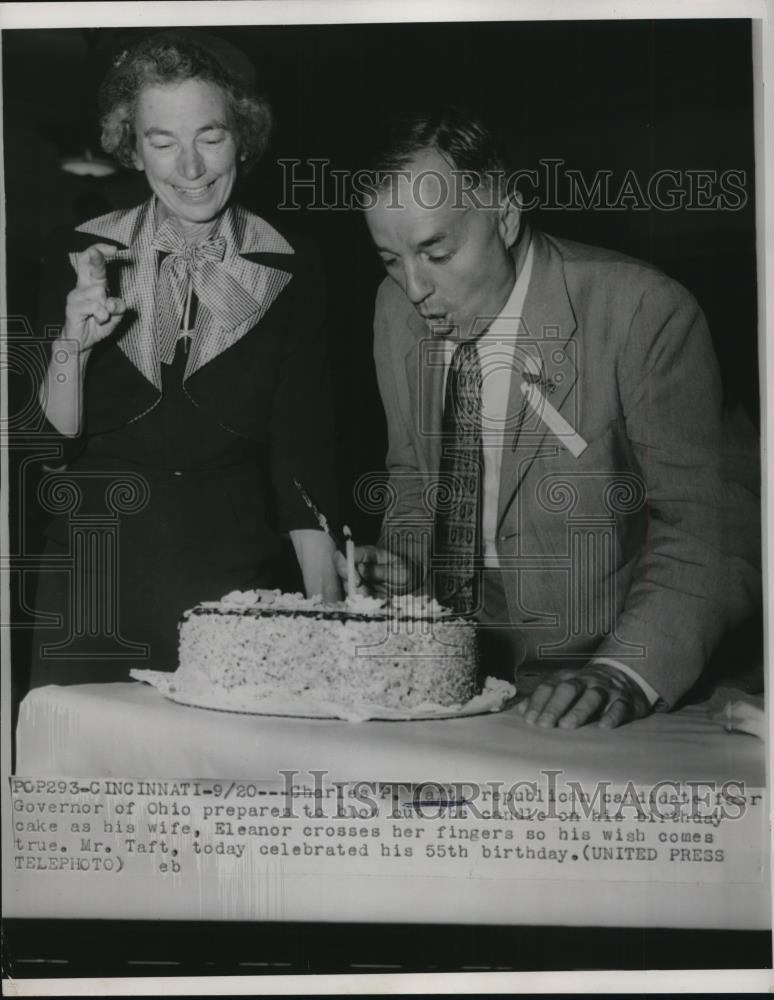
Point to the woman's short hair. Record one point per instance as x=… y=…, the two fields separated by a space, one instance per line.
x=172 y=57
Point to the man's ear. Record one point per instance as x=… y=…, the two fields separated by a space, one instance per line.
x=509 y=219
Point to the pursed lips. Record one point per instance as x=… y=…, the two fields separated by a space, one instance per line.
x=436 y=319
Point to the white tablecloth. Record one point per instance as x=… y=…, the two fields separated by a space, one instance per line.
x=131 y=730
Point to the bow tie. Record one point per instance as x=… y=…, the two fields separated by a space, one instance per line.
x=168 y=240
x=188 y=268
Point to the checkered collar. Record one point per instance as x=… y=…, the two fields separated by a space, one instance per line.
x=133 y=276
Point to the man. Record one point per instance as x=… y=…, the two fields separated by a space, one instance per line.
x=554 y=421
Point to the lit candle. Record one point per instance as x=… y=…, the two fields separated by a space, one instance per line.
x=351 y=575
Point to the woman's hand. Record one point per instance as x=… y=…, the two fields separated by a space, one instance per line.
x=314 y=551
x=91 y=314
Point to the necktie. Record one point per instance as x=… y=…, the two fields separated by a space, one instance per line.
x=457 y=536
x=184 y=267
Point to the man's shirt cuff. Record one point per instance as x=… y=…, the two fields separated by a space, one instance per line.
x=650 y=693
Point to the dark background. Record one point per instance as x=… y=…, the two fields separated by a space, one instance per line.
x=637 y=95
x=615 y=96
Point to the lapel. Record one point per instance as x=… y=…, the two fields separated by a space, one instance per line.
x=549 y=325
x=254 y=286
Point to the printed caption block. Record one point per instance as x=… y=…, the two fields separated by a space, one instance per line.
x=113 y=829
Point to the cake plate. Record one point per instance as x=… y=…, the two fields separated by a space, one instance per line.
x=495 y=696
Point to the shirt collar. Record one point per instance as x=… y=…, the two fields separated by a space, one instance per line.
x=509 y=319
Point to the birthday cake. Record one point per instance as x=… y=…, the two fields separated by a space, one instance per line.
x=274 y=653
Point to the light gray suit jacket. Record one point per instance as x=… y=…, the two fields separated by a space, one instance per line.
x=623 y=551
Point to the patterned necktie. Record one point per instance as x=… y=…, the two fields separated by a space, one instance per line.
x=457 y=540
x=185 y=266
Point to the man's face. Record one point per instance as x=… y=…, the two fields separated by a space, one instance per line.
x=186 y=148
x=451 y=259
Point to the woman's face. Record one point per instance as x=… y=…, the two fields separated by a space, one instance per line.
x=186 y=148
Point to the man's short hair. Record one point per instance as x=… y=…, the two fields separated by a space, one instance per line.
x=464 y=140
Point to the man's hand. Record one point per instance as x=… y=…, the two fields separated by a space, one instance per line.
x=381 y=573
x=572 y=698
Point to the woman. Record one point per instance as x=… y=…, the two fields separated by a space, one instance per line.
x=189 y=385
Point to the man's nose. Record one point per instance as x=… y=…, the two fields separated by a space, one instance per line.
x=418 y=286
x=191 y=164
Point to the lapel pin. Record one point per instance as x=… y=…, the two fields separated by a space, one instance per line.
x=545 y=384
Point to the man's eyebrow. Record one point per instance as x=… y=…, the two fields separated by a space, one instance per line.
x=431 y=241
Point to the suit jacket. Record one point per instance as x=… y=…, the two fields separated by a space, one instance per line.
x=621 y=551
x=260 y=368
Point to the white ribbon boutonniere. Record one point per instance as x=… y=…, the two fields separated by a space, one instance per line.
x=537 y=402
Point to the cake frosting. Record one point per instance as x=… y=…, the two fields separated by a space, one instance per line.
x=254 y=649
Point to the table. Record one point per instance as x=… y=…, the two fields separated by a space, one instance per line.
x=114 y=731
x=131 y=730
